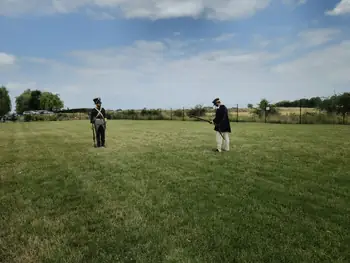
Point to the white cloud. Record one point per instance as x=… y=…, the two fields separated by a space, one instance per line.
x=156 y=74
x=329 y=66
x=342 y=8
x=306 y=39
x=294 y=2
x=151 y=9
x=99 y=15
x=318 y=36
x=224 y=37
x=6 y=59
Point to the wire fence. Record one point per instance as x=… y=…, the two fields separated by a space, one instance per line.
x=236 y=114
x=299 y=115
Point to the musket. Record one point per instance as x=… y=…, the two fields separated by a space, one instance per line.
x=93 y=133
x=193 y=116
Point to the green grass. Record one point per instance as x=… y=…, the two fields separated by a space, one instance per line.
x=158 y=194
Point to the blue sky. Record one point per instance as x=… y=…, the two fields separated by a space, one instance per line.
x=175 y=53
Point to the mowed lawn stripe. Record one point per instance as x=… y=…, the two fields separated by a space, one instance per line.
x=44 y=186
x=158 y=194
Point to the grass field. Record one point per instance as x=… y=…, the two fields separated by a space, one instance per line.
x=158 y=193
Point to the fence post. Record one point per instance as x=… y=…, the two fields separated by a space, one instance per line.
x=265 y=114
x=237 y=114
x=171 y=113
x=300 y=121
x=183 y=113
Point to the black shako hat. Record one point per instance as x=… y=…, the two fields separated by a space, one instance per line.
x=97 y=100
x=215 y=101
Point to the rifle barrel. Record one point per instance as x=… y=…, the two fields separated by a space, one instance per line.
x=200 y=118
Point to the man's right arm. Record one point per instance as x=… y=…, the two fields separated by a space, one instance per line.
x=92 y=115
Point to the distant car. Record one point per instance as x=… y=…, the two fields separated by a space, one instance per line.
x=44 y=112
x=29 y=113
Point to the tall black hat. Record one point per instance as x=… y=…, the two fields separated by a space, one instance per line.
x=97 y=100
x=215 y=101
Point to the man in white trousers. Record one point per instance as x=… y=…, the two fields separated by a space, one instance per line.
x=222 y=127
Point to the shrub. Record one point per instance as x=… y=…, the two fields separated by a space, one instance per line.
x=151 y=112
x=198 y=110
x=27 y=118
x=43 y=117
x=178 y=113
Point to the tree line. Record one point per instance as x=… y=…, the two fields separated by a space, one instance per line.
x=314 y=102
x=29 y=100
x=338 y=103
x=33 y=100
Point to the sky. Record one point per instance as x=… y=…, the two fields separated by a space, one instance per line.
x=175 y=53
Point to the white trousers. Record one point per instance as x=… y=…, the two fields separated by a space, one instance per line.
x=222 y=144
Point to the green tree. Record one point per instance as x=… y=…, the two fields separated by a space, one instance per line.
x=50 y=101
x=343 y=104
x=329 y=104
x=198 y=111
x=284 y=103
x=178 y=113
x=34 y=102
x=23 y=101
x=5 y=101
x=264 y=108
x=315 y=102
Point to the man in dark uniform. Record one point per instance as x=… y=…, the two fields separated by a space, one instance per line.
x=97 y=118
x=222 y=126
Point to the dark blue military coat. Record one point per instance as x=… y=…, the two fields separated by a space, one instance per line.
x=221 y=121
